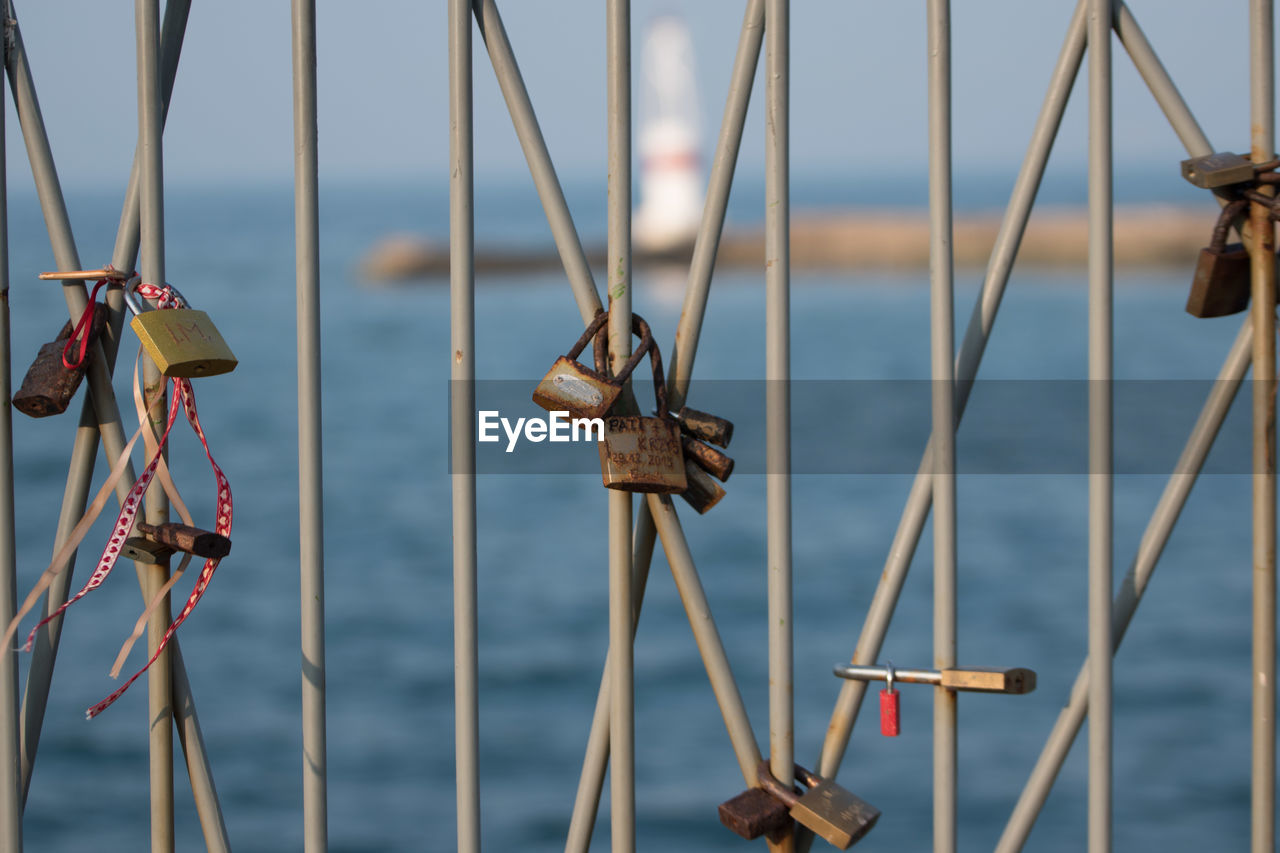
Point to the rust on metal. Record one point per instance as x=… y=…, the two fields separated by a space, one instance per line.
x=192 y=540
x=755 y=812
x=715 y=463
x=49 y=384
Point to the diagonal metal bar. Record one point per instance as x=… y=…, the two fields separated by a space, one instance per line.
x=525 y=121
x=1163 y=519
x=907 y=536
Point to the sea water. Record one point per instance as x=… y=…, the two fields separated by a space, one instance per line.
x=1181 y=678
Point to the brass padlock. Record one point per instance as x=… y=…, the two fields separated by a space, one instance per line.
x=1221 y=283
x=182 y=342
x=824 y=807
x=641 y=454
x=49 y=384
x=578 y=390
x=1218 y=170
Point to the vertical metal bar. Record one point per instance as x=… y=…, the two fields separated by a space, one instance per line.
x=310 y=441
x=151 y=185
x=462 y=325
x=778 y=393
x=535 y=151
x=942 y=336
x=1100 y=425
x=212 y=825
x=1154 y=538
x=919 y=501
x=621 y=649
x=591 y=781
x=1263 y=313
x=10 y=767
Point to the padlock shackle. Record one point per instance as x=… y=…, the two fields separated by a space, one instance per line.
x=1218 y=243
x=647 y=344
x=132 y=299
x=592 y=327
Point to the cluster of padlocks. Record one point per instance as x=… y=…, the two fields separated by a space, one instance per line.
x=1221 y=284
x=183 y=343
x=667 y=453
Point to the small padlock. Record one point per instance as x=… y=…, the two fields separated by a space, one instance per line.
x=890 y=711
x=707 y=427
x=824 y=807
x=1221 y=283
x=756 y=812
x=641 y=454
x=191 y=540
x=182 y=342
x=50 y=384
x=1218 y=170
x=582 y=392
x=715 y=463
x=703 y=492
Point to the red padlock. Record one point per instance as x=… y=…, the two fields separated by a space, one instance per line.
x=890 y=723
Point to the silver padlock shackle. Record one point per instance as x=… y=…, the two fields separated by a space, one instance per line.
x=135 y=303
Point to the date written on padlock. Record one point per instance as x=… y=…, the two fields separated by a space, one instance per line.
x=182 y=342
x=641 y=454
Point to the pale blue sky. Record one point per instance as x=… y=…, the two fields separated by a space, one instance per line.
x=858 y=89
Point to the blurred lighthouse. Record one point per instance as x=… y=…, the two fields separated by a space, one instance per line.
x=671 y=182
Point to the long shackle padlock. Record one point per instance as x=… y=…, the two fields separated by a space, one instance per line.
x=641 y=454
x=181 y=341
x=578 y=390
x=1221 y=284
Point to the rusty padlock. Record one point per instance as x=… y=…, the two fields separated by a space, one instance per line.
x=641 y=454
x=578 y=390
x=703 y=492
x=709 y=428
x=191 y=540
x=824 y=807
x=50 y=384
x=1221 y=283
x=756 y=812
x=715 y=463
x=182 y=342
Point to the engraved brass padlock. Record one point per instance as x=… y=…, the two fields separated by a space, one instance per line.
x=49 y=383
x=582 y=392
x=641 y=454
x=182 y=342
x=824 y=807
x=1221 y=283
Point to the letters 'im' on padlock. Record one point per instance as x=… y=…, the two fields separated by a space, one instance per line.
x=641 y=454
x=824 y=807
x=578 y=390
x=181 y=341
x=1221 y=283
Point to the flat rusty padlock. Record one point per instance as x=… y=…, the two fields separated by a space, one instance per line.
x=756 y=812
x=49 y=384
x=703 y=492
x=1221 y=283
x=701 y=425
x=191 y=540
x=182 y=342
x=715 y=463
x=578 y=390
x=641 y=454
x=824 y=807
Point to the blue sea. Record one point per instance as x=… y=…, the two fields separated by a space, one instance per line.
x=1182 y=683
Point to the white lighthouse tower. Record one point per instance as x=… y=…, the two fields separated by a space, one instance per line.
x=671 y=181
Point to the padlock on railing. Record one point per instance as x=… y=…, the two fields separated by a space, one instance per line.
x=701 y=425
x=50 y=382
x=641 y=454
x=578 y=390
x=1221 y=283
x=890 y=707
x=824 y=807
x=190 y=540
x=181 y=341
